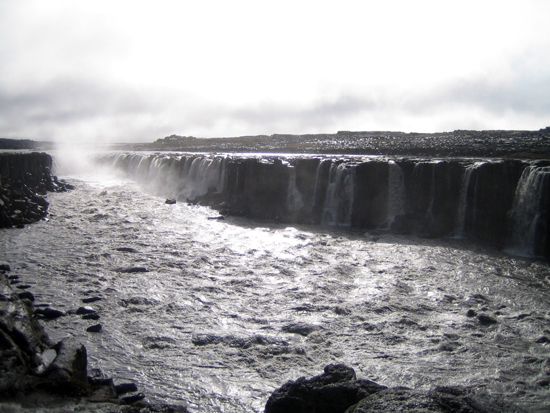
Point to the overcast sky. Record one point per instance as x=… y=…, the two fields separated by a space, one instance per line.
x=130 y=71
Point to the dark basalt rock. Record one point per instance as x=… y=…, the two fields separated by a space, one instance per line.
x=94 y=329
x=48 y=313
x=471 y=313
x=133 y=399
x=91 y=300
x=338 y=391
x=127 y=249
x=486 y=320
x=23 y=176
x=27 y=295
x=170 y=201
x=91 y=316
x=334 y=391
x=85 y=310
x=401 y=399
x=32 y=367
x=124 y=388
x=130 y=270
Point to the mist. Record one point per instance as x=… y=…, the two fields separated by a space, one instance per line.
x=127 y=72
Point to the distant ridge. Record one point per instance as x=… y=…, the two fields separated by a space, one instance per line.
x=487 y=143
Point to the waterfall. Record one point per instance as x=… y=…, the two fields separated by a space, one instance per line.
x=530 y=212
x=201 y=175
x=423 y=188
x=294 y=198
x=339 y=198
x=463 y=200
x=396 y=192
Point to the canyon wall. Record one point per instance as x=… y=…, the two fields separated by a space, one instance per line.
x=25 y=177
x=505 y=202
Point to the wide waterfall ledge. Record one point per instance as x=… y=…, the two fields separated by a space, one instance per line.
x=501 y=201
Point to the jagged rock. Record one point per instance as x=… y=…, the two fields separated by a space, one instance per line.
x=85 y=310
x=401 y=399
x=27 y=295
x=22 y=177
x=471 y=313
x=124 y=388
x=48 y=313
x=331 y=392
x=486 y=320
x=91 y=299
x=94 y=329
x=170 y=201
x=133 y=399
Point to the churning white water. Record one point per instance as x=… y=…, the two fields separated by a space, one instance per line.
x=207 y=323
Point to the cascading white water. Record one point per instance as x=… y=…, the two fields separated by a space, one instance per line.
x=182 y=177
x=339 y=198
x=294 y=198
x=528 y=212
x=423 y=192
x=396 y=192
x=463 y=201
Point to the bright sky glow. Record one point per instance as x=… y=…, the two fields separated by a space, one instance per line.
x=138 y=71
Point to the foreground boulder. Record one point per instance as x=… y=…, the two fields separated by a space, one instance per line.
x=331 y=392
x=338 y=390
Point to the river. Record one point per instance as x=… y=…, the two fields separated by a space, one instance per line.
x=220 y=312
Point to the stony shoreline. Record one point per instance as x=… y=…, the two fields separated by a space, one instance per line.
x=40 y=375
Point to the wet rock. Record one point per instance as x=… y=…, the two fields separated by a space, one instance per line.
x=67 y=375
x=170 y=201
x=486 y=320
x=471 y=313
x=94 y=329
x=124 y=388
x=85 y=310
x=542 y=340
x=304 y=329
x=5 y=267
x=24 y=286
x=91 y=300
x=133 y=399
x=48 y=313
x=26 y=295
x=127 y=249
x=402 y=399
x=334 y=391
x=130 y=270
x=91 y=316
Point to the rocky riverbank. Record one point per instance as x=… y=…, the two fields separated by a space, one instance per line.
x=25 y=178
x=39 y=375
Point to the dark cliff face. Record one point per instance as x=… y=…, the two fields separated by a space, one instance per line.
x=24 y=179
x=505 y=202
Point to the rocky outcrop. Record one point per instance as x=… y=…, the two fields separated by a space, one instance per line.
x=29 y=360
x=331 y=392
x=338 y=390
x=35 y=372
x=24 y=180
